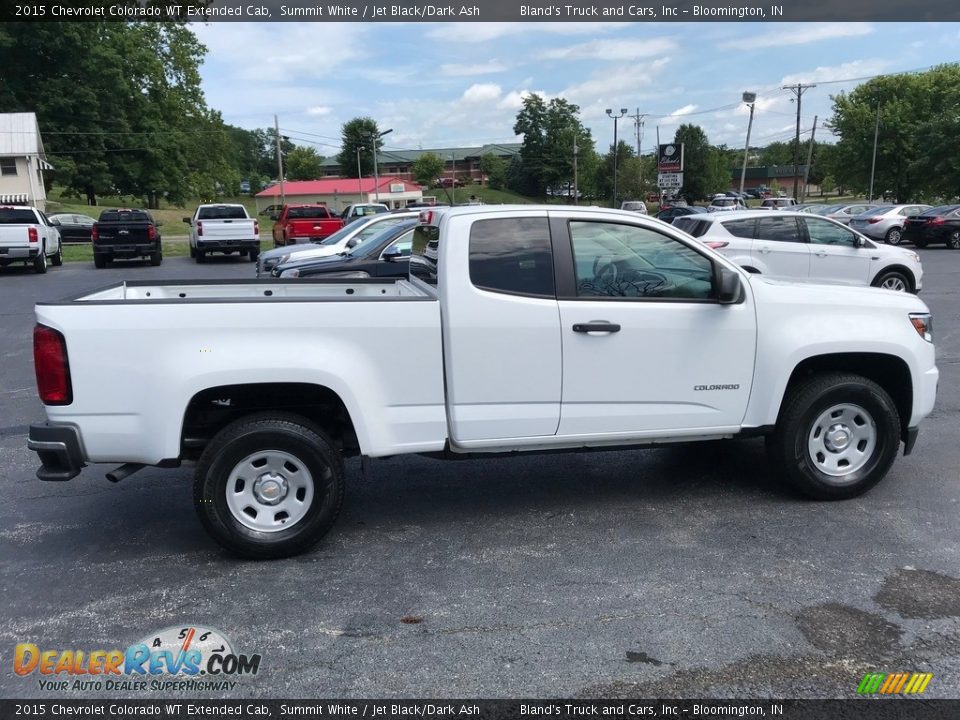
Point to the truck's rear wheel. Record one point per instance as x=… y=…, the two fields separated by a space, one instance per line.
x=269 y=485
x=837 y=436
x=156 y=258
x=201 y=256
x=254 y=254
x=40 y=262
x=58 y=258
x=99 y=261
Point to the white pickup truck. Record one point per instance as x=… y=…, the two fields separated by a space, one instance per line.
x=225 y=229
x=519 y=329
x=27 y=236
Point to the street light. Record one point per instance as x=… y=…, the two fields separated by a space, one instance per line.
x=623 y=111
x=376 y=171
x=749 y=98
x=359 y=176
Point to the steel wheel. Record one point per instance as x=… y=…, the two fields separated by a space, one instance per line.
x=842 y=440
x=270 y=490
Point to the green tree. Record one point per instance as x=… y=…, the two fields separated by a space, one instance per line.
x=494 y=168
x=704 y=168
x=604 y=173
x=303 y=163
x=360 y=132
x=528 y=178
x=917 y=115
x=427 y=168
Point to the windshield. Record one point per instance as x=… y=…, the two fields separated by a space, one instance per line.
x=941 y=210
x=826 y=209
x=371 y=244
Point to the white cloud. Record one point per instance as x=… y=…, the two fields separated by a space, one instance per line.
x=846 y=71
x=614 y=84
x=319 y=110
x=487 y=68
x=481 y=93
x=685 y=110
x=470 y=32
x=798 y=34
x=613 y=50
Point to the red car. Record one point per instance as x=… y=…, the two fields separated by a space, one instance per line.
x=304 y=223
x=450 y=182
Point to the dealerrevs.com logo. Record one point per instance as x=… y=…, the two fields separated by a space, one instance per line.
x=174 y=659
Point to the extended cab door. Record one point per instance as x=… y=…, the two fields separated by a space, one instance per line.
x=648 y=351
x=501 y=325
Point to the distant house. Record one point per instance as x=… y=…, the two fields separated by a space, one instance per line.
x=337 y=193
x=458 y=162
x=22 y=161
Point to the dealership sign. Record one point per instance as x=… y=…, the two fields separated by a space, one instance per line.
x=670 y=180
x=670 y=158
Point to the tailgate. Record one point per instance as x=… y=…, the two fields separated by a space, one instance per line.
x=14 y=236
x=315 y=227
x=123 y=233
x=228 y=229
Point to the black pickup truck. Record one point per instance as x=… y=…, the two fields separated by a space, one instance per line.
x=124 y=234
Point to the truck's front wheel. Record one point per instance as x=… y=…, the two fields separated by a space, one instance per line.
x=837 y=435
x=269 y=486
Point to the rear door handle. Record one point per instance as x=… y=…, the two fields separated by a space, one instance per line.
x=596 y=326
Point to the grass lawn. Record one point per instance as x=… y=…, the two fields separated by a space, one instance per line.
x=482 y=192
x=84 y=253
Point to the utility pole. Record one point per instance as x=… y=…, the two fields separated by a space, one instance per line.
x=873 y=165
x=623 y=111
x=798 y=91
x=806 y=173
x=638 y=122
x=375 y=138
x=359 y=175
x=276 y=129
x=750 y=99
x=576 y=150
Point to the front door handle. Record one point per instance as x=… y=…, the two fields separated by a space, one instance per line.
x=596 y=326
x=765 y=250
x=821 y=253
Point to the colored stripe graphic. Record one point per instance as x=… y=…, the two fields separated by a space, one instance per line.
x=894 y=683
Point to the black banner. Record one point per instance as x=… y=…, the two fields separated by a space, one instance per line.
x=481 y=10
x=174 y=709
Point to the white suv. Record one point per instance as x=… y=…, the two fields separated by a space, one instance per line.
x=798 y=245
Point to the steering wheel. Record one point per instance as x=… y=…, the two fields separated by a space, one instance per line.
x=606 y=275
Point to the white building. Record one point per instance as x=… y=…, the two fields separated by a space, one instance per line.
x=22 y=161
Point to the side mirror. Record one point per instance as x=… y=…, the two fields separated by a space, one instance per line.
x=392 y=254
x=188 y=221
x=729 y=288
x=352 y=243
x=861 y=242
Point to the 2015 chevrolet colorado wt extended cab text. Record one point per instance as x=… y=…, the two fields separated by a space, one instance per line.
x=523 y=329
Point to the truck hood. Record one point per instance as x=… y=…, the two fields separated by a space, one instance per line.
x=821 y=293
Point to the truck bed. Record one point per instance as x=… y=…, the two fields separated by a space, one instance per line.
x=187 y=291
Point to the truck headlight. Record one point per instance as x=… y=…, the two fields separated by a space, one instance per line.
x=923 y=324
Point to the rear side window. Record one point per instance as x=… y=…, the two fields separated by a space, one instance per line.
x=222 y=212
x=512 y=255
x=11 y=216
x=691 y=226
x=778 y=229
x=741 y=228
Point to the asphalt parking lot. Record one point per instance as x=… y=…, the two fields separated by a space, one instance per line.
x=685 y=572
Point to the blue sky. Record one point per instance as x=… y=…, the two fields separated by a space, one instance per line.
x=442 y=85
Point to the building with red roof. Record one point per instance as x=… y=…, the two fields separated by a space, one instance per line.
x=337 y=193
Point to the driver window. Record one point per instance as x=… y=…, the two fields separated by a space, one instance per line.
x=614 y=260
x=823 y=232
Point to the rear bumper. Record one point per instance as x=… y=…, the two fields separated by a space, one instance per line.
x=59 y=449
x=230 y=244
x=18 y=253
x=126 y=250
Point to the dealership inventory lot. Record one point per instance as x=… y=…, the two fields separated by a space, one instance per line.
x=674 y=572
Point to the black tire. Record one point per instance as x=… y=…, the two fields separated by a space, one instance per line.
x=803 y=410
x=201 y=256
x=893 y=280
x=894 y=236
x=920 y=243
x=254 y=254
x=193 y=252
x=99 y=261
x=58 y=258
x=266 y=433
x=40 y=262
x=953 y=241
x=156 y=258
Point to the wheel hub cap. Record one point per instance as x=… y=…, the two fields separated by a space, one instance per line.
x=837 y=438
x=270 y=489
x=841 y=441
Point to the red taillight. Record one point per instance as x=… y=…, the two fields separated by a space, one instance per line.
x=426 y=217
x=94 y=234
x=935 y=221
x=199 y=228
x=32 y=235
x=716 y=244
x=52 y=367
x=256 y=227
x=874 y=220
x=151 y=232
